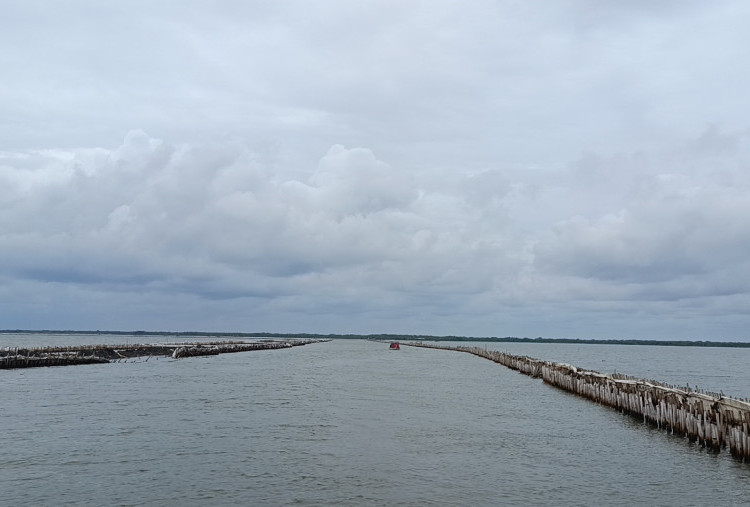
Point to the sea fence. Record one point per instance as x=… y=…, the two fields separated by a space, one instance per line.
x=711 y=419
x=20 y=357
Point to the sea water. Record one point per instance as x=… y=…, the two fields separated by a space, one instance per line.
x=350 y=422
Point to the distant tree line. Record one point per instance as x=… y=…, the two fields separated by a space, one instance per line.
x=395 y=337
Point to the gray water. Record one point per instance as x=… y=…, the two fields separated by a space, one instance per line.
x=349 y=422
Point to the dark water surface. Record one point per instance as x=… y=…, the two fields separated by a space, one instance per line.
x=350 y=422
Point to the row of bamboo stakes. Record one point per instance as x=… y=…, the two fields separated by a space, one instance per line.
x=713 y=420
x=20 y=357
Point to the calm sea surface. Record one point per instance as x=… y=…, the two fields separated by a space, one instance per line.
x=349 y=422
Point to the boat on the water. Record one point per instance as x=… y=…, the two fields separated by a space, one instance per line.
x=395 y=346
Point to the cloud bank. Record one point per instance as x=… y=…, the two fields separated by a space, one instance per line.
x=156 y=229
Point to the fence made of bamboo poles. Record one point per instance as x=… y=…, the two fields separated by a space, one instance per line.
x=713 y=420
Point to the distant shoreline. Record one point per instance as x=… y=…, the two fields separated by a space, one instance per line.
x=492 y=339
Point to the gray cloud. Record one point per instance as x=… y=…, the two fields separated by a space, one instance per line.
x=478 y=168
x=360 y=236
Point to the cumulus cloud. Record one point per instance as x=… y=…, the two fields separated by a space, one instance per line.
x=674 y=228
x=359 y=236
x=210 y=221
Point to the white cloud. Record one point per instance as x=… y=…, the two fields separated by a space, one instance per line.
x=360 y=236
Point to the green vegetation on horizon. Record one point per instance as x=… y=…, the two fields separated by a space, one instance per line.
x=399 y=337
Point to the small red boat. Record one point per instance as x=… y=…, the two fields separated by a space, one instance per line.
x=395 y=346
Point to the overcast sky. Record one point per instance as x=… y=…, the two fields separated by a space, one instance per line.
x=569 y=168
